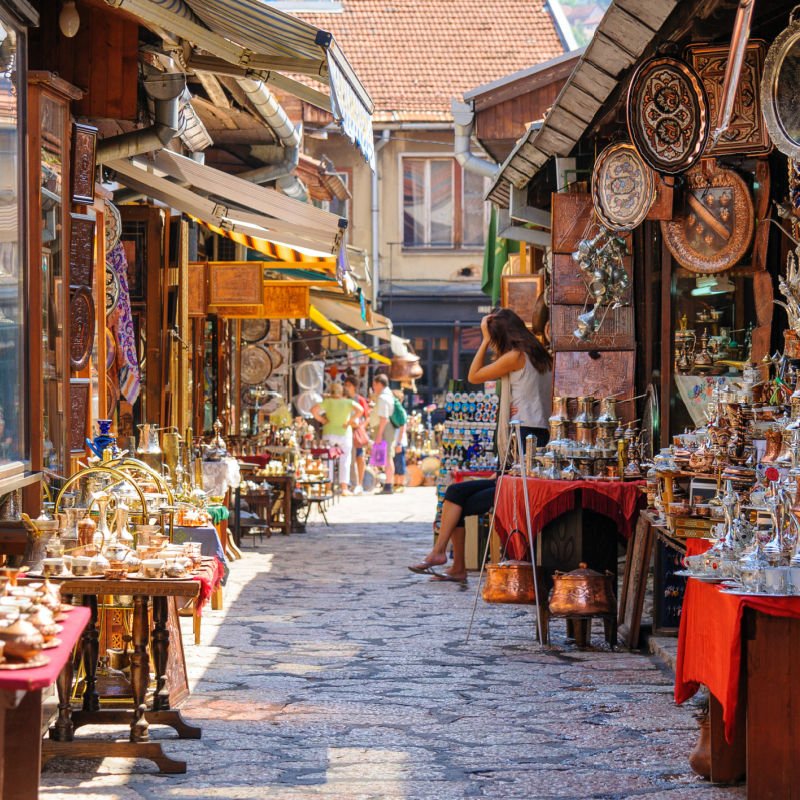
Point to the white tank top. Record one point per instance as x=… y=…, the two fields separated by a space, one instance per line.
x=531 y=395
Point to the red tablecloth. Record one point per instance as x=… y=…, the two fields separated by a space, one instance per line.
x=710 y=642
x=460 y=475
x=27 y=680
x=620 y=501
x=260 y=461
x=210 y=577
x=696 y=546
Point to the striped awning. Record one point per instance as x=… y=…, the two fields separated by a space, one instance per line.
x=260 y=39
x=321 y=321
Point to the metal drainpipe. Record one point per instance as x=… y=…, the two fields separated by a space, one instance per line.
x=464 y=121
x=375 y=209
x=165 y=91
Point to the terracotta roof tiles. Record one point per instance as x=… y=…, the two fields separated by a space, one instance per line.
x=413 y=56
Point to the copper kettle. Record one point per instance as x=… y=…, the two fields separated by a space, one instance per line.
x=405 y=367
x=582 y=592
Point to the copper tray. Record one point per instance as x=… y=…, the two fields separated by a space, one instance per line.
x=717 y=225
x=81 y=328
x=668 y=114
x=747 y=132
x=254 y=330
x=256 y=365
x=623 y=187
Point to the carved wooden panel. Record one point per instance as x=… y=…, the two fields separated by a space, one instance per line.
x=572 y=216
x=663 y=205
x=284 y=301
x=198 y=290
x=84 y=143
x=81 y=250
x=609 y=374
x=81 y=327
x=568 y=284
x=78 y=409
x=747 y=132
x=235 y=284
x=616 y=332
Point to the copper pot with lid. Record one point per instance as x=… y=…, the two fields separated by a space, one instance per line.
x=582 y=592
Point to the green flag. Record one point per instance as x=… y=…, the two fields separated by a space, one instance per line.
x=495 y=255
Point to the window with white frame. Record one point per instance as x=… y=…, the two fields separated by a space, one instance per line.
x=443 y=205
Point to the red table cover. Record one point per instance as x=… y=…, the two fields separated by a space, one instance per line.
x=461 y=475
x=710 y=642
x=209 y=578
x=620 y=501
x=696 y=546
x=260 y=460
x=28 y=680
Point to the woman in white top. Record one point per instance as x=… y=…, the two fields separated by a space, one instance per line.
x=525 y=368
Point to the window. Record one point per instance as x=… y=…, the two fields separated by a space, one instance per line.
x=443 y=205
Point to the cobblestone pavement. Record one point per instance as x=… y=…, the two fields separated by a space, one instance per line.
x=335 y=673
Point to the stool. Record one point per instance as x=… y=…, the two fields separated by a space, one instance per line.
x=579 y=628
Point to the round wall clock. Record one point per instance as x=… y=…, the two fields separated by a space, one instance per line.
x=623 y=187
x=81 y=327
x=256 y=365
x=668 y=114
x=717 y=225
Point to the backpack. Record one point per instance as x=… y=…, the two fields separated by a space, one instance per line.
x=399 y=416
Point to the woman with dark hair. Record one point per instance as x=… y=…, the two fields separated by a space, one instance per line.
x=524 y=368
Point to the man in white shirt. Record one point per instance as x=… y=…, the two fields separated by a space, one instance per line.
x=384 y=405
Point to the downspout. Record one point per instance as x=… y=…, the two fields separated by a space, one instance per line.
x=375 y=210
x=290 y=137
x=165 y=91
x=464 y=121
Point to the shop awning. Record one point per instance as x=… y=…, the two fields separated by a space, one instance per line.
x=298 y=225
x=350 y=313
x=319 y=319
x=258 y=38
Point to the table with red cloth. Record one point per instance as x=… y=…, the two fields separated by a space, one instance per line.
x=209 y=575
x=621 y=501
x=21 y=712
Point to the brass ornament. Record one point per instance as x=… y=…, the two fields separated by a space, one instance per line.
x=623 y=187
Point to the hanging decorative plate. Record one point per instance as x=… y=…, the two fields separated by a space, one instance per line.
x=623 y=187
x=717 y=225
x=113 y=224
x=254 y=330
x=256 y=365
x=81 y=327
x=780 y=87
x=276 y=356
x=112 y=290
x=668 y=114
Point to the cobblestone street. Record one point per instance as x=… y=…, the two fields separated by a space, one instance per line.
x=334 y=672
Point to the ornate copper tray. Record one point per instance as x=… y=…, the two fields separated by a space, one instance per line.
x=254 y=330
x=779 y=89
x=746 y=132
x=623 y=187
x=668 y=114
x=256 y=365
x=81 y=327
x=717 y=225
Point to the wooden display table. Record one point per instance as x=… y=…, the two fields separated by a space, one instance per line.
x=62 y=743
x=746 y=650
x=21 y=712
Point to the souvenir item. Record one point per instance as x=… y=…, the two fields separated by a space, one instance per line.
x=81 y=325
x=254 y=330
x=582 y=591
x=256 y=364
x=779 y=89
x=668 y=114
x=623 y=187
x=746 y=132
x=717 y=225
x=81 y=250
x=113 y=224
x=112 y=290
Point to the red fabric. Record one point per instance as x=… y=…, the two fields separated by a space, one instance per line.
x=696 y=547
x=710 y=642
x=460 y=475
x=209 y=578
x=27 y=680
x=260 y=461
x=618 y=500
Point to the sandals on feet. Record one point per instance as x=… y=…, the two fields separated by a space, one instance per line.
x=425 y=568
x=443 y=576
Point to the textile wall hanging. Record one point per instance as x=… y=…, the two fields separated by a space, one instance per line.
x=780 y=87
x=668 y=114
x=746 y=132
x=623 y=187
x=716 y=227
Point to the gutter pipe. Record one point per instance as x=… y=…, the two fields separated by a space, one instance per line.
x=464 y=122
x=375 y=210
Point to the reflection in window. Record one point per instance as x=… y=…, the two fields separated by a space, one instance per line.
x=11 y=253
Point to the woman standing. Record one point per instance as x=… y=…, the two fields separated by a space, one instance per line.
x=524 y=368
x=337 y=413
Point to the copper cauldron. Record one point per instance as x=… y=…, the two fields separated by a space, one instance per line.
x=582 y=592
x=509 y=582
x=405 y=367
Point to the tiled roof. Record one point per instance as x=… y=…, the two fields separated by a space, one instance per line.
x=413 y=56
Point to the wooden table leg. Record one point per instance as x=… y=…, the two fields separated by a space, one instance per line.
x=64 y=730
x=160 y=647
x=91 y=651
x=22 y=746
x=140 y=670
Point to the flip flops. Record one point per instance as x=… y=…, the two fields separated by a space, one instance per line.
x=425 y=568
x=443 y=576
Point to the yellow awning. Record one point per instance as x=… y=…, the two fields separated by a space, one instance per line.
x=319 y=319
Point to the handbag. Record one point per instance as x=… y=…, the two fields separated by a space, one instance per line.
x=378 y=456
x=360 y=437
x=510 y=581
